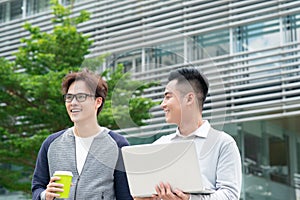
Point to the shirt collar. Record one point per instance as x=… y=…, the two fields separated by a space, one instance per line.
x=202 y=131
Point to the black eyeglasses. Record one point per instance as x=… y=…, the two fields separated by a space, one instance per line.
x=80 y=97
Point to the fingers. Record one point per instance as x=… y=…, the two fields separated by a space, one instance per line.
x=52 y=188
x=165 y=192
x=165 y=189
x=181 y=195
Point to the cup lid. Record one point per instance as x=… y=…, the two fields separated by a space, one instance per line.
x=68 y=173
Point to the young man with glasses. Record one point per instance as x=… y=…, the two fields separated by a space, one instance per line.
x=90 y=151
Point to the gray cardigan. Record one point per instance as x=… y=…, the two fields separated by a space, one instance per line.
x=103 y=175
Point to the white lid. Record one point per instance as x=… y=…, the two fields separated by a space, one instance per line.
x=63 y=173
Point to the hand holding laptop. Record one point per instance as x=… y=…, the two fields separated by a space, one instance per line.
x=165 y=192
x=175 y=163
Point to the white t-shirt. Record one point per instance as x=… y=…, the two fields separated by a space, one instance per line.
x=82 y=148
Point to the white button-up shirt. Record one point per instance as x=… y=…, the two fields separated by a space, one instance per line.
x=220 y=163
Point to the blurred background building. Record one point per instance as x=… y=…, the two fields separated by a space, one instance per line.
x=249 y=50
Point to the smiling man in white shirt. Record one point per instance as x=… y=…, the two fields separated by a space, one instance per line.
x=219 y=156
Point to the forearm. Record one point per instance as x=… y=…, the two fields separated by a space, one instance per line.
x=228 y=176
x=222 y=194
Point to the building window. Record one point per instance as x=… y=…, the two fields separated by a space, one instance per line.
x=257 y=36
x=131 y=60
x=36 y=6
x=292 y=28
x=211 y=45
x=254 y=38
x=16 y=9
x=3 y=11
x=267 y=159
x=10 y=10
x=164 y=55
x=66 y=2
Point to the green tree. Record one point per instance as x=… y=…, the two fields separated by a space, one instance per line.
x=31 y=104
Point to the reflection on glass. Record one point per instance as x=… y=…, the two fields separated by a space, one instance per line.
x=267 y=157
x=292 y=28
x=164 y=55
x=211 y=45
x=37 y=6
x=257 y=36
x=16 y=9
x=130 y=60
x=3 y=7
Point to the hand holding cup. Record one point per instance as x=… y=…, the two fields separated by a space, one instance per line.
x=64 y=179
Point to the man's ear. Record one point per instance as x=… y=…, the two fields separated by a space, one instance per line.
x=190 y=98
x=99 y=101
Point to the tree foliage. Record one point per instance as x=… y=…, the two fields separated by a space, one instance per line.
x=125 y=107
x=31 y=103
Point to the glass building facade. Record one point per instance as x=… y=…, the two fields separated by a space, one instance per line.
x=249 y=51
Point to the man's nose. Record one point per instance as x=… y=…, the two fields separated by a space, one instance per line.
x=74 y=100
x=162 y=104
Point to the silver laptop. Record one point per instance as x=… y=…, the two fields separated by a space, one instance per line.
x=176 y=163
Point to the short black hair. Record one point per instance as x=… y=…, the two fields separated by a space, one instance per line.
x=195 y=78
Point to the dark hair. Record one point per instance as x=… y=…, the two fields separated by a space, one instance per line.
x=195 y=78
x=95 y=83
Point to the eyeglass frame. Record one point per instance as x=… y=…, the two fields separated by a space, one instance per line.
x=76 y=97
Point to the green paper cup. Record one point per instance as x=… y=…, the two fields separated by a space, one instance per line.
x=65 y=179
